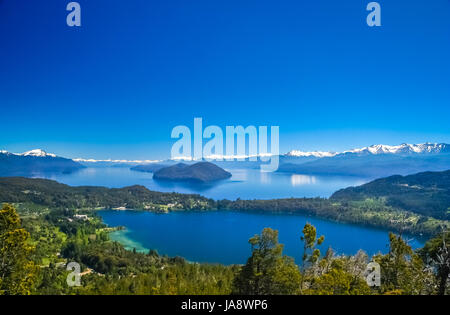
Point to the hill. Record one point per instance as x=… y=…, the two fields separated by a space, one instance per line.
x=425 y=193
x=200 y=172
x=31 y=194
x=55 y=195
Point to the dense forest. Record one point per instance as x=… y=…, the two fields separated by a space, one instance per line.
x=404 y=206
x=54 y=195
x=36 y=248
x=425 y=193
x=44 y=226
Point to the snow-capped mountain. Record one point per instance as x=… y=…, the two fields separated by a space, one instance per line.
x=319 y=154
x=38 y=153
x=371 y=162
x=404 y=148
x=35 y=163
x=35 y=153
x=111 y=161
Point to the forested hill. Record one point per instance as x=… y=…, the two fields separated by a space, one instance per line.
x=426 y=193
x=55 y=195
x=421 y=207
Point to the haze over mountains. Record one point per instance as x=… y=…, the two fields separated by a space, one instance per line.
x=404 y=148
x=35 y=163
x=372 y=162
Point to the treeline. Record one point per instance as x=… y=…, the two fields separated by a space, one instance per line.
x=425 y=193
x=59 y=196
x=368 y=212
x=344 y=206
x=32 y=265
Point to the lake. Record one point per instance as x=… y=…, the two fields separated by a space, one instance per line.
x=244 y=184
x=222 y=236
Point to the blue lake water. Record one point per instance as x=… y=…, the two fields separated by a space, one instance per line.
x=222 y=237
x=244 y=184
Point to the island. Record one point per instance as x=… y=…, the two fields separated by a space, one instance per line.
x=202 y=172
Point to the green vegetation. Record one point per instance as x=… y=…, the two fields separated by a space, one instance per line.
x=17 y=270
x=267 y=271
x=50 y=194
x=36 y=196
x=201 y=172
x=426 y=193
x=58 y=237
x=58 y=224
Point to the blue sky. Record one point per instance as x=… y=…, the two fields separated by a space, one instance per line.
x=116 y=87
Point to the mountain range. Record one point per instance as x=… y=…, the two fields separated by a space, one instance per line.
x=374 y=161
x=405 y=148
x=35 y=163
x=370 y=162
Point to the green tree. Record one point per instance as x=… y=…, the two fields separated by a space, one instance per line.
x=402 y=270
x=17 y=272
x=311 y=253
x=338 y=281
x=436 y=254
x=267 y=271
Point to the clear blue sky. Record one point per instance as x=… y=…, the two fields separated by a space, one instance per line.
x=116 y=87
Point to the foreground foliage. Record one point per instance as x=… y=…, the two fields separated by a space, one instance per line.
x=56 y=238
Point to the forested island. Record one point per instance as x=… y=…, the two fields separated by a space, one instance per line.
x=202 y=172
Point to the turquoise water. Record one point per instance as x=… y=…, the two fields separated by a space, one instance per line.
x=222 y=237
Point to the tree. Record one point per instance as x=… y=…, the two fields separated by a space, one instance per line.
x=402 y=270
x=17 y=272
x=338 y=281
x=267 y=271
x=311 y=254
x=436 y=254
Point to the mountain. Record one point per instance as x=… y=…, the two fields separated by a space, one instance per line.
x=372 y=162
x=425 y=193
x=113 y=163
x=38 y=153
x=199 y=172
x=35 y=163
x=317 y=154
x=405 y=148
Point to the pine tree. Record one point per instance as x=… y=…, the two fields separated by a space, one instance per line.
x=267 y=271
x=17 y=272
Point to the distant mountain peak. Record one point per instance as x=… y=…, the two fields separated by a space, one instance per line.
x=35 y=163
x=403 y=148
x=297 y=153
x=38 y=153
x=35 y=153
